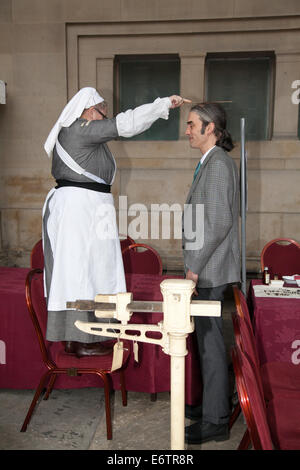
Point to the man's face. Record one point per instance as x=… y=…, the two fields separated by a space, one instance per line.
x=193 y=131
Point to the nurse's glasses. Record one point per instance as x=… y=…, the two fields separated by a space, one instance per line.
x=102 y=114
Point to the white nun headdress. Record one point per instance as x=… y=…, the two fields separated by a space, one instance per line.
x=85 y=98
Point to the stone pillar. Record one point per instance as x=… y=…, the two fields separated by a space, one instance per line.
x=105 y=80
x=285 y=111
x=192 y=83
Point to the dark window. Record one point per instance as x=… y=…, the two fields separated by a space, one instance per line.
x=244 y=84
x=142 y=79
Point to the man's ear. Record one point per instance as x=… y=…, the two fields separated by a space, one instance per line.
x=210 y=128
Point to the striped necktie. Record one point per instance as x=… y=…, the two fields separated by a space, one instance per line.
x=197 y=170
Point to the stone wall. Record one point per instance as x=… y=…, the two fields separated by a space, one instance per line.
x=49 y=49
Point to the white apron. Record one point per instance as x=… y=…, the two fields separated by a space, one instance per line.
x=85 y=244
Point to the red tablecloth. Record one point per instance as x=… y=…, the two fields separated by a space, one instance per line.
x=21 y=364
x=276 y=324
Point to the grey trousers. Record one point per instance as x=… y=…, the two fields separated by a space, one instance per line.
x=213 y=360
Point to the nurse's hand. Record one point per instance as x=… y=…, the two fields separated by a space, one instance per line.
x=178 y=101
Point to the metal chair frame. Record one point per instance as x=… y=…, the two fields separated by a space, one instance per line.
x=53 y=370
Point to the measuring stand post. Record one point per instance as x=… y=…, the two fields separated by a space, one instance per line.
x=178 y=311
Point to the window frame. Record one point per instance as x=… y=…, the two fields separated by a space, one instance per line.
x=135 y=58
x=271 y=80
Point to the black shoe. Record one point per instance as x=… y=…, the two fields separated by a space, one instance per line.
x=70 y=347
x=92 y=349
x=200 y=432
x=193 y=412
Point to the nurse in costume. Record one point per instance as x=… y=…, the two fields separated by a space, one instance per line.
x=81 y=245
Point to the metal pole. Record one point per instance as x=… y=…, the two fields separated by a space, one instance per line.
x=243 y=205
x=177 y=295
x=177 y=390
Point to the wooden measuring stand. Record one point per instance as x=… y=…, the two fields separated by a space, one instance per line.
x=178 y=311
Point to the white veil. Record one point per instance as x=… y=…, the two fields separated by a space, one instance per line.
x=85 y=98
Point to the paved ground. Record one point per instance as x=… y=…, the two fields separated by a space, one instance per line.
x=75 y=419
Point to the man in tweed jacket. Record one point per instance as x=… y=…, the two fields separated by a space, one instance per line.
x=211 y=259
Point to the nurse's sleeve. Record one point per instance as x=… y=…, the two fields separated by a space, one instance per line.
x=135 y=121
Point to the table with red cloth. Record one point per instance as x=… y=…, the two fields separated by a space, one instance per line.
x=276 y=324
x=21 y=363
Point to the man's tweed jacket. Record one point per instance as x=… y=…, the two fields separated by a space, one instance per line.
x=216 y=186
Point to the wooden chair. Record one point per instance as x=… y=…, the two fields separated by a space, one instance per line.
x=274 y=425
x=275 y=377
x=281 y=256
x=241 y=305
x=37 y=256
x=57 y=361
x=140 y=258
x=253 y=409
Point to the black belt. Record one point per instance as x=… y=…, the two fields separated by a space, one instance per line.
x=100 y=187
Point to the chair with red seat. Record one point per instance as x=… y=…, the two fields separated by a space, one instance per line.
x=281 y=256
x=275 y=376
x=125 y=241
x=245 y=315
x=140 y=258
x=253 y=407
x=241 y=305
x=37 y=256
x=57 y=361
x=274 y=425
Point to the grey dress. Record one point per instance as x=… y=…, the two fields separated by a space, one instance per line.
x=85 y=142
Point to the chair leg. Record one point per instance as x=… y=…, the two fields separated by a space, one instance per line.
x=50 y=386
x=153 y=396
x=107 y=407
x=245 y=442
x=123 y=388
x=35 y=399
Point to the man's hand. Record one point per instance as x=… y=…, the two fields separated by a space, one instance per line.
x=178 y=101
x=193 y=277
